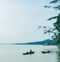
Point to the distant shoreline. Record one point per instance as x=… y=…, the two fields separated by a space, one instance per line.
x=44 y=42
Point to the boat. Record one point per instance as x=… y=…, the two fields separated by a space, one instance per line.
x=30 y=52
x=45 y=52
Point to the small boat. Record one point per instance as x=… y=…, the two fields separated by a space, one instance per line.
x=31 y=52
x=45 y=52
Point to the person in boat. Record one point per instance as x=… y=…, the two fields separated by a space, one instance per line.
x=30 y=50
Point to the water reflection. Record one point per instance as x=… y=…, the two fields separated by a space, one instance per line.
x=58 y=55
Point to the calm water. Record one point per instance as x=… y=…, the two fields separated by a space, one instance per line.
x=13 y=53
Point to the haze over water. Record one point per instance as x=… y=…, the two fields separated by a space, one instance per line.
x=13 y=53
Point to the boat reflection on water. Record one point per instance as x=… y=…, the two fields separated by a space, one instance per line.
x=30 y=52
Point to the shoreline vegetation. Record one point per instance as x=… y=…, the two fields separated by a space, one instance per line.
x=44 y=42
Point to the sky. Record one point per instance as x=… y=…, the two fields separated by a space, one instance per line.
x=19 y=20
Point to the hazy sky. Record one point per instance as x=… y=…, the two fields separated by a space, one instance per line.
x=19 y=20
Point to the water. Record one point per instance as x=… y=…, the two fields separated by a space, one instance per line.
x=13 y=53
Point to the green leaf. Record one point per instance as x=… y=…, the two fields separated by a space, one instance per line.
x=52 y=18
x=57 y=7
x=54 y=1
x=47 y=6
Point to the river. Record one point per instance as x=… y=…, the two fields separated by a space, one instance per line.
x=13 y=53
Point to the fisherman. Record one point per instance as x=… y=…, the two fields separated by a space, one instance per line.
x=30 y=50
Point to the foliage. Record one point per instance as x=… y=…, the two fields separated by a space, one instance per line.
x=57 y=23
x=57 y=6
